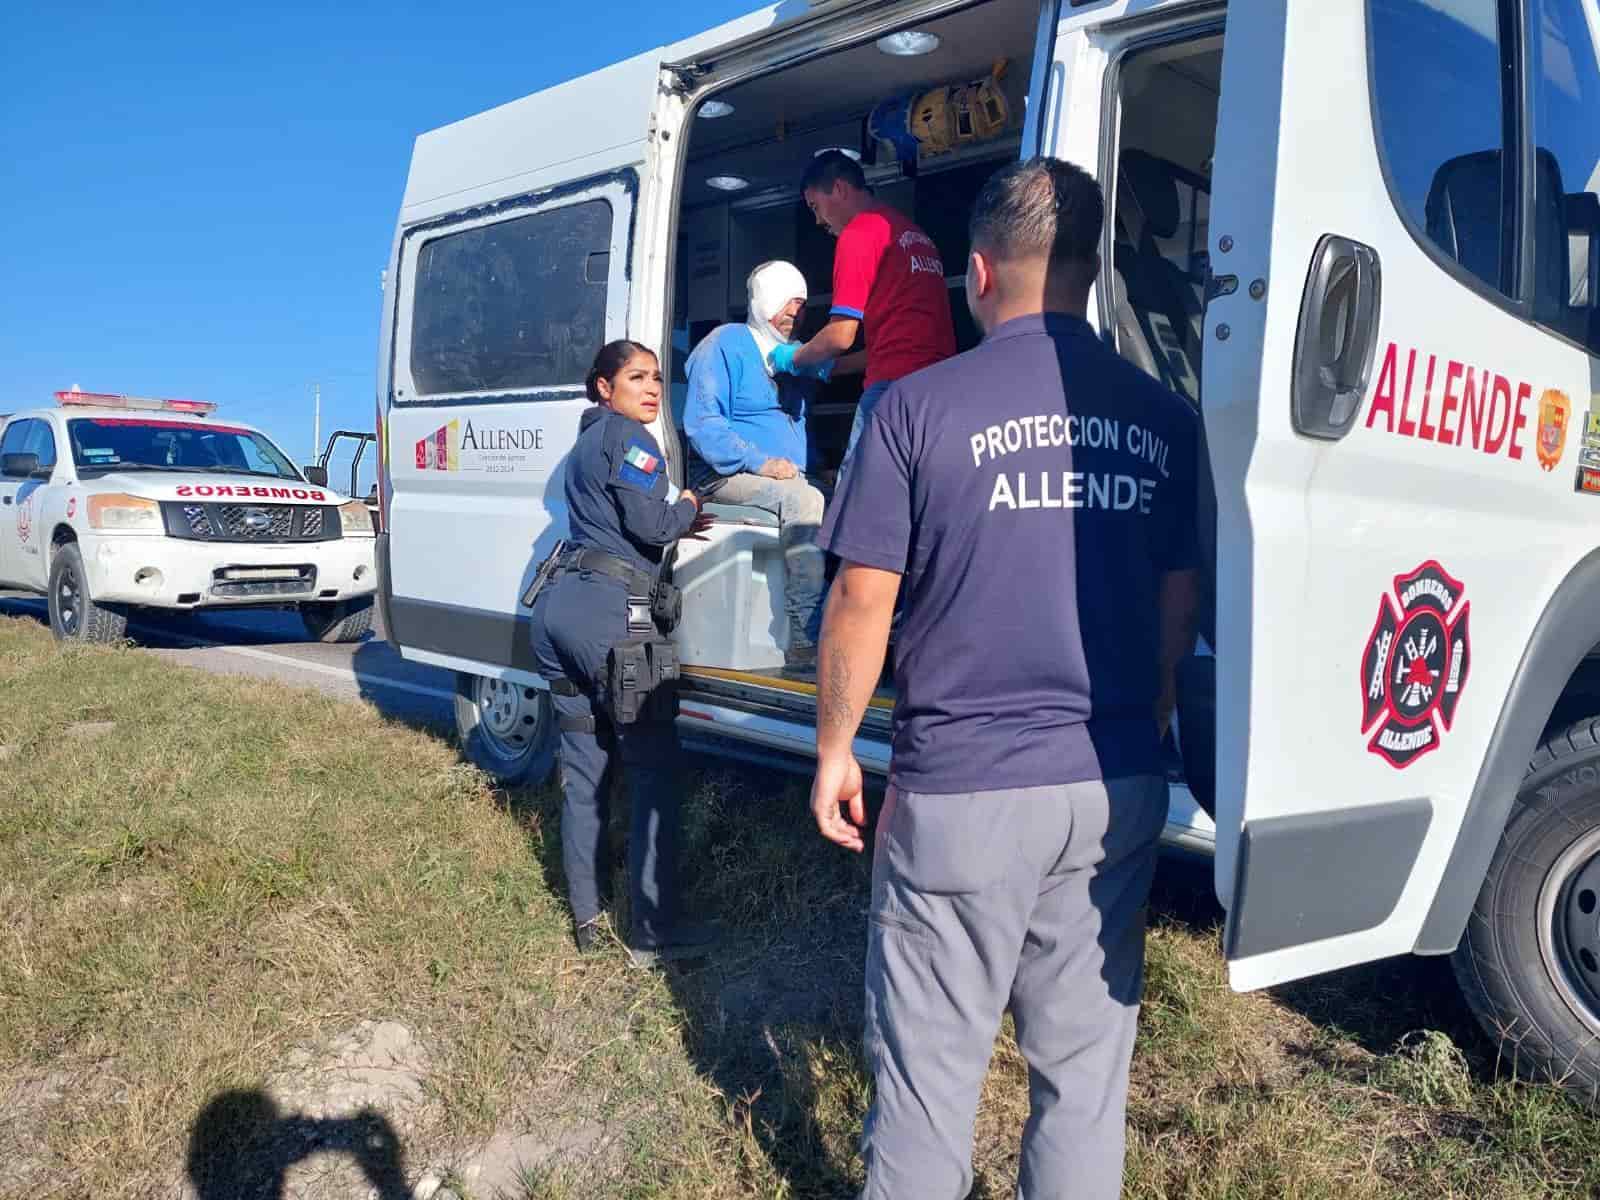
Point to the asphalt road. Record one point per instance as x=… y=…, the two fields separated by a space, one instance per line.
x=273 y=645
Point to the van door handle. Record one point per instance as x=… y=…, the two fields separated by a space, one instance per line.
x=1338 y=337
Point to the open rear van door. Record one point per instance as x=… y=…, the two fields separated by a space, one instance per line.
x=1389 y=435
x=514 y=263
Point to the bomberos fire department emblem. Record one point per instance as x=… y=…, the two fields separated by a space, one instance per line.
x=1415 y=665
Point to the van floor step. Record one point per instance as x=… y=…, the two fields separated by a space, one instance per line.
x=793 y=699
x=882 y=698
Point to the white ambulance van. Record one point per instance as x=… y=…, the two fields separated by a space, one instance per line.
x=111 y=504
x=1361 y=236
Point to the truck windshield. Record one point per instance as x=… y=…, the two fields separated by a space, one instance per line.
x=101 y=444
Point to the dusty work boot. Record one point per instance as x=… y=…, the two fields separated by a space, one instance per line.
x=587 y=935
x=800 y=662
x=686 y=939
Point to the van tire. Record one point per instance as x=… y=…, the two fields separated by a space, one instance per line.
x=74 y=615
x=1529 y=961
x=337 y=620
x=508 y=730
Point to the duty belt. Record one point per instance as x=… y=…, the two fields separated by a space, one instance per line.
x=642 y=586
x=614 y=566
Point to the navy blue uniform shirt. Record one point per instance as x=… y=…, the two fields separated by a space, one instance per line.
x=619 y=498
x=1033 y=492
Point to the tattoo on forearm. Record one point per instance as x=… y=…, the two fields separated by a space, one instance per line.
x=836 y=714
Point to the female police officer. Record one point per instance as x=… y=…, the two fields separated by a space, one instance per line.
x=599 y=646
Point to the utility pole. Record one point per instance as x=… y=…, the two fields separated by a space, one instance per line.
x=316 y=421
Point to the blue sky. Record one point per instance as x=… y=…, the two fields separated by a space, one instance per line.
x=199 y=199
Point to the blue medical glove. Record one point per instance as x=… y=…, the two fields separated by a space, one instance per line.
x=821 y=371
x=781 y=360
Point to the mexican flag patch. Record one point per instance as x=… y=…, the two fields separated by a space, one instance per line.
x=642 y=460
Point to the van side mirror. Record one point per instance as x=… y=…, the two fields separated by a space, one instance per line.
x=317 y=476
x=20 y=466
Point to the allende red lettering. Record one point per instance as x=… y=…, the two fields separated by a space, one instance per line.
x=1472 y=409
x=1407 y=427
x=1491 y=406
x=1424 y=430
x=1524 y=394
x=1383 y=397
x=1499 y=402
x=1448 y=404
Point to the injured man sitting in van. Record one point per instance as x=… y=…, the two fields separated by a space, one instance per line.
x=747 y=441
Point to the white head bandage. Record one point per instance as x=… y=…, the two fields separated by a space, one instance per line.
x=772 y=285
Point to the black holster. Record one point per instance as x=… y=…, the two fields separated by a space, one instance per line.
x=545 y=572
x=666 y=606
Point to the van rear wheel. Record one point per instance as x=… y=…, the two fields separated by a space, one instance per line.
x=507 y=729
x=1529 y=962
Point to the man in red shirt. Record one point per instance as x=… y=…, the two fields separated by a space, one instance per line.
x=887 y=274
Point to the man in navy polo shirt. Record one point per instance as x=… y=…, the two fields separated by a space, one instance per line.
x=1037 y=494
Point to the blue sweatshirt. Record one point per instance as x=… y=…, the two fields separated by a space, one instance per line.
x=736 y=415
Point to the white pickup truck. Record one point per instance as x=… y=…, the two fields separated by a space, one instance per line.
x=114 y=503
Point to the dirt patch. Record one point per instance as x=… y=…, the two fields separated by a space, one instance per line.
x=378 y=1066
x=34 y=1101
x=508 y=1162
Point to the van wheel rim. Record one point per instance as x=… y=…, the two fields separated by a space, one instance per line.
x=1569 y=927
x=67 y=602
x=508 y=716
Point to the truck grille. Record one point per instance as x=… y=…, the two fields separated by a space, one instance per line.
x=251 y=582
x=196 y=521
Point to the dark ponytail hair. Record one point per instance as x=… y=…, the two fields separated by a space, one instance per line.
x=613 y=356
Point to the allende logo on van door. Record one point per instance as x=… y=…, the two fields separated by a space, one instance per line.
x=1415 y=665
x=467 y=446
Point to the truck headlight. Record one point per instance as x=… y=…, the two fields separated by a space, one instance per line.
x=355 y=517
x=120 y=513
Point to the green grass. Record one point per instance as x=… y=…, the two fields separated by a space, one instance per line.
x=239 y=870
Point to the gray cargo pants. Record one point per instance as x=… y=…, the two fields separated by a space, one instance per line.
x=1034 y=899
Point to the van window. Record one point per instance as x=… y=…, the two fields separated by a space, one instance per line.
x=1566 y=100
x=1439 y=73
x=515 y=305
x=1161 y=208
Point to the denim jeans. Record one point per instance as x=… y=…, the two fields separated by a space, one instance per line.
x=798 y=505
x=868 y=402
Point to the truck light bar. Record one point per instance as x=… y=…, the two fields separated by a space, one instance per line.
x=109 y=400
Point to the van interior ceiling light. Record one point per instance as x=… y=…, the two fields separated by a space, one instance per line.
x=109 y=400
x=844 y=150
x=909 y=43
x=712 y=109
x=727 y=183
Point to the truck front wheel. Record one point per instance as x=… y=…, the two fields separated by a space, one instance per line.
x=1529 y=962
x=74 y=615
x=337 y=620
x=507 y=729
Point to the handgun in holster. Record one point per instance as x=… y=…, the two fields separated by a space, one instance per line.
x=544 y=573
